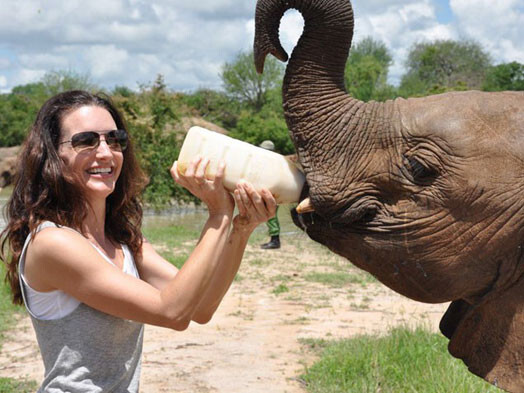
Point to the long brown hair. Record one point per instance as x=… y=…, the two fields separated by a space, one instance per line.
x=43 y=190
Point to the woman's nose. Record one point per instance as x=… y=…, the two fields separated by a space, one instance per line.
x=103 y=148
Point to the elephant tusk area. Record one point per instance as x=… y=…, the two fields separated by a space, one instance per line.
x=305 y=207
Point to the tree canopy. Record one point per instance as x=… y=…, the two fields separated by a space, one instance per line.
x=367 y=70
x=242 y=82
x=444 y=65
x=506 y=76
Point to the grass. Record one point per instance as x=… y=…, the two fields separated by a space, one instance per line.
x=9 y=385
x=173 y=236
x=7 y=313
x=406 y=360
x=7 y=309
x=281 y=288
x=168 y=239
x=339 y=279
x=177 y=260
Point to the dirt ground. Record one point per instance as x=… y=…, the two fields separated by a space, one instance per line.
x=253 y=343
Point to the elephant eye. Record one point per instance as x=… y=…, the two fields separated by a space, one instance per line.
x=421 y=173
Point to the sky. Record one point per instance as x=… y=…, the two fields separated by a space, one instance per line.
x=129 y=42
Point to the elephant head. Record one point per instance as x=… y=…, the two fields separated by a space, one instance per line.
x=426 y=193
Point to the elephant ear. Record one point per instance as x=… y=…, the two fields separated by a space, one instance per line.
x=489 y=336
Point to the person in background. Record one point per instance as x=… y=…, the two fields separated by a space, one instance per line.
x=273 y=225
x=75 y=253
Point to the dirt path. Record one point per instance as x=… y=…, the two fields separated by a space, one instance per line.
x=252 y=345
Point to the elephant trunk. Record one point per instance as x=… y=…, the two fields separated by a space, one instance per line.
x=318 y=110
x=314 y=79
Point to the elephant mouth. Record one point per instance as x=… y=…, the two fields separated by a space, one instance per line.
x=303 y=215
x=306 y=217
x=303 y=220
x=312 y=215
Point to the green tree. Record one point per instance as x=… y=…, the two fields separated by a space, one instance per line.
x=367 y=71
x=507 y=76
x=444 y=65
x=151 y=114
x=18 y=110
x=268 y=123
x=243 y=83
x=63 y=80
x=214 y=106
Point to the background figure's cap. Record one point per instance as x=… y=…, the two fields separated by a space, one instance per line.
x=268 y=145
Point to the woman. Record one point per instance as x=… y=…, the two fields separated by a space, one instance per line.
x=77 y=257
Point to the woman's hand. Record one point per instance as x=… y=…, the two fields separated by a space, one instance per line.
x=254 y=207
x=211 y=192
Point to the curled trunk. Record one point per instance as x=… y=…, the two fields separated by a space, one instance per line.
x=317 y=107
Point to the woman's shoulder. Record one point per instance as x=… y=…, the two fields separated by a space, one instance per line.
x=51 y=239
x=52 y=252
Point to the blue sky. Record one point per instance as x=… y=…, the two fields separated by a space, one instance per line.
x=129 y=42
x=443 y=10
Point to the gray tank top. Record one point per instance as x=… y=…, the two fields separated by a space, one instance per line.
x=88 y=351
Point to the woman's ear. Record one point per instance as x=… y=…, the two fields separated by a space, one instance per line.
x=489 y=336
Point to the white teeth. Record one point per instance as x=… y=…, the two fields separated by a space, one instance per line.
x=94 y=171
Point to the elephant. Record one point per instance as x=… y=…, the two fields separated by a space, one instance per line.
x=426 y=194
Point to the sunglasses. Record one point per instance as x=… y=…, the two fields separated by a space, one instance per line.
x=90 y=140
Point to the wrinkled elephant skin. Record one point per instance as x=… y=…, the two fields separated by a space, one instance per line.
x=423 y=193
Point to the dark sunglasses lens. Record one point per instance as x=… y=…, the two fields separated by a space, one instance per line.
x=117 y=139
x=84 y=140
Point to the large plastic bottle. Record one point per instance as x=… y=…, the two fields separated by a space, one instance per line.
x=260 y=167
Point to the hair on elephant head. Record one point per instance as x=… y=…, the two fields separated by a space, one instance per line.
x=426 y=193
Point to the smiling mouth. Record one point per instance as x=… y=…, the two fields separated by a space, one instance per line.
x=100 y=171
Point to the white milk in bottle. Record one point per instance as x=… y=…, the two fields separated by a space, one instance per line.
x=258 y=166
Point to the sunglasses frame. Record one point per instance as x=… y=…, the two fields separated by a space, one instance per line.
x=114 y=142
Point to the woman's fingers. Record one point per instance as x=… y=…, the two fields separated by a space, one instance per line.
x=195 y=174
x=254 y=199
x=269 y=202
x=192 y=167
x=200 y=171
x=219 y=176
x=260 y=205
x=175 y=174
x=242 y=210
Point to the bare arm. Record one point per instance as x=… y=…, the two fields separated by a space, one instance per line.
x=254 y=208
x=62 y=259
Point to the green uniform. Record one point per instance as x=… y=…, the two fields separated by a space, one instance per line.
x=273 y=225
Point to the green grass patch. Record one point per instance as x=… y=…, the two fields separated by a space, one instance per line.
x=260 y=262
x=170 y=236
x=405 y=360
x=9 y=385
x=339 y=279
x=8 y=311
x=177 y=260
x=6 y=192
x=281 y=288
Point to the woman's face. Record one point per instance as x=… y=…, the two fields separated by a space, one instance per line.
x=96 y=169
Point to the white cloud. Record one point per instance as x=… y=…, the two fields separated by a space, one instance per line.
x=23 y=76
x=3 y=81
x=122 y=42
x=497 y=26
x=51 y=61
x=107 y=61
x=399 y=24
